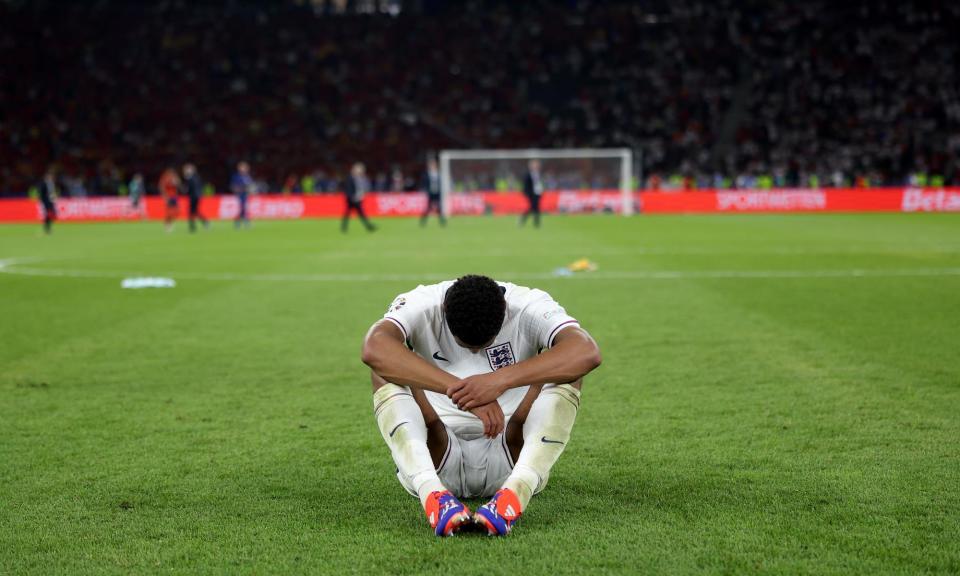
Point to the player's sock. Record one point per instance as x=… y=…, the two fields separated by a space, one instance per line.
x=545 y=435
x=403 y=429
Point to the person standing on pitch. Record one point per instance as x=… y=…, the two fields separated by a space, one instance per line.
x=242 y=185
x=354 y=189
x=194 y=189
x=170 y=190
x=431 y=186
x=136 y=191
x=48 y=197
x=532 y=189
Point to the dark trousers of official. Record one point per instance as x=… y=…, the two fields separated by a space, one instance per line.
x=195 y=214
x=242 y=215
x=433 y=202
x=534 y=209
x=49 y=215
x=355 y=206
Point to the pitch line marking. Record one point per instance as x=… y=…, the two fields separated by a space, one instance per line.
x=640 y=251
x=680 y=251
x=13 y=266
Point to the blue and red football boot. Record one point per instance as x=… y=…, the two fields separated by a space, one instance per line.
x=445 y=513
x=499 y=514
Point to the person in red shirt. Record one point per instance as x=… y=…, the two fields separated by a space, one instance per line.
x=170 y=191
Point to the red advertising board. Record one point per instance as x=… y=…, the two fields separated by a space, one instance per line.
x=568 y=202
x=804 y=200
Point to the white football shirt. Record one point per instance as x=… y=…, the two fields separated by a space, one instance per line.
x=531 y=323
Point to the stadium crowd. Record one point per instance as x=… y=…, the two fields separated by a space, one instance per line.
x=713 y=93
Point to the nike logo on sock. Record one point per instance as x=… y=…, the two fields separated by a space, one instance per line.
x=545 y=441
x=395 y=428
x=437 y=356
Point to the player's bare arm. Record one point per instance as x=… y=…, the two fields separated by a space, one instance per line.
x=385 y=352
x=574 y=354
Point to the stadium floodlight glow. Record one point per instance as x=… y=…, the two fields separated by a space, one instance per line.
x=563 y=169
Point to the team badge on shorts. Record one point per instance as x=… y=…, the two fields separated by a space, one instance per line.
x=500 y=355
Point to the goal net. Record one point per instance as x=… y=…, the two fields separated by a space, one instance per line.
x=574 y=180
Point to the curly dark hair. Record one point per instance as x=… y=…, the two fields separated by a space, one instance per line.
x=474 y=307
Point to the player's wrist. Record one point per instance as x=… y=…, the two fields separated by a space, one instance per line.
x=504 y=381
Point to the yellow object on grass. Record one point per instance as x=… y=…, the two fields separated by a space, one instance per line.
x=582 y=265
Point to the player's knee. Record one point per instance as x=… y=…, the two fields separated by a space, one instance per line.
x=384 y=390
x=556 y=411
x=566 y=392
x=556 y=428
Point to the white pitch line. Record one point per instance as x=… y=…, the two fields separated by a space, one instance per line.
x=678 y=251
x=10 y=267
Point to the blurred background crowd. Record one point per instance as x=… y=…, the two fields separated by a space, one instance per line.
x=746 y=94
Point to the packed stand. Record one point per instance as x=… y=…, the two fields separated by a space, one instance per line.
x=712 y=93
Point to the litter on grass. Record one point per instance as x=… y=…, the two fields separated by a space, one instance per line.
x=581 y=265
x=149 y=282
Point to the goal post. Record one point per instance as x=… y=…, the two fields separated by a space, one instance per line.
x=565 y=169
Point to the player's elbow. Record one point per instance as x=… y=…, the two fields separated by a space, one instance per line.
x=370 y=354
x=589 y=353
x=582 y=351
x=593 y=359
x=380 y=344
x=585 y=363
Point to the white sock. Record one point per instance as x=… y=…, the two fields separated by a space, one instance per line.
x=545 y=435
x=398 y=414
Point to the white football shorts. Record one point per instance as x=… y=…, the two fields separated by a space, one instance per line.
x=474 y=468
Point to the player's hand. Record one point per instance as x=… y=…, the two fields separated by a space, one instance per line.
x=476 y=390
x=492 y=417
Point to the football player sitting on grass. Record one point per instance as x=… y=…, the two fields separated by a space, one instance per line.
x=476 y=386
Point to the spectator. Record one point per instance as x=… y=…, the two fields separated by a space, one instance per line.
x=866 y=87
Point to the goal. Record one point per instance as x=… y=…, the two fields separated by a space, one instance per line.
x=574 y=172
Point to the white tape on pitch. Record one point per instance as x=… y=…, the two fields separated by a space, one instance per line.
x=139 y=283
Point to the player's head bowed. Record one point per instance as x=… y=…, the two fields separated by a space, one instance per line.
x=474 y=307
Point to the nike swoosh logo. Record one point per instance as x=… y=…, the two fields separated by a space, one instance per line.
x=437 y=356
x=395 y=428
x=545 y=441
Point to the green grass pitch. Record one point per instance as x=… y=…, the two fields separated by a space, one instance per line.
x=779 y=395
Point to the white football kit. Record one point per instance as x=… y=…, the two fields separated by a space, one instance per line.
x=475 y=465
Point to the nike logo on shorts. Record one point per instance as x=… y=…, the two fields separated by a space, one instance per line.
x=545 y=441
x=395 y=428
x=437 y=356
